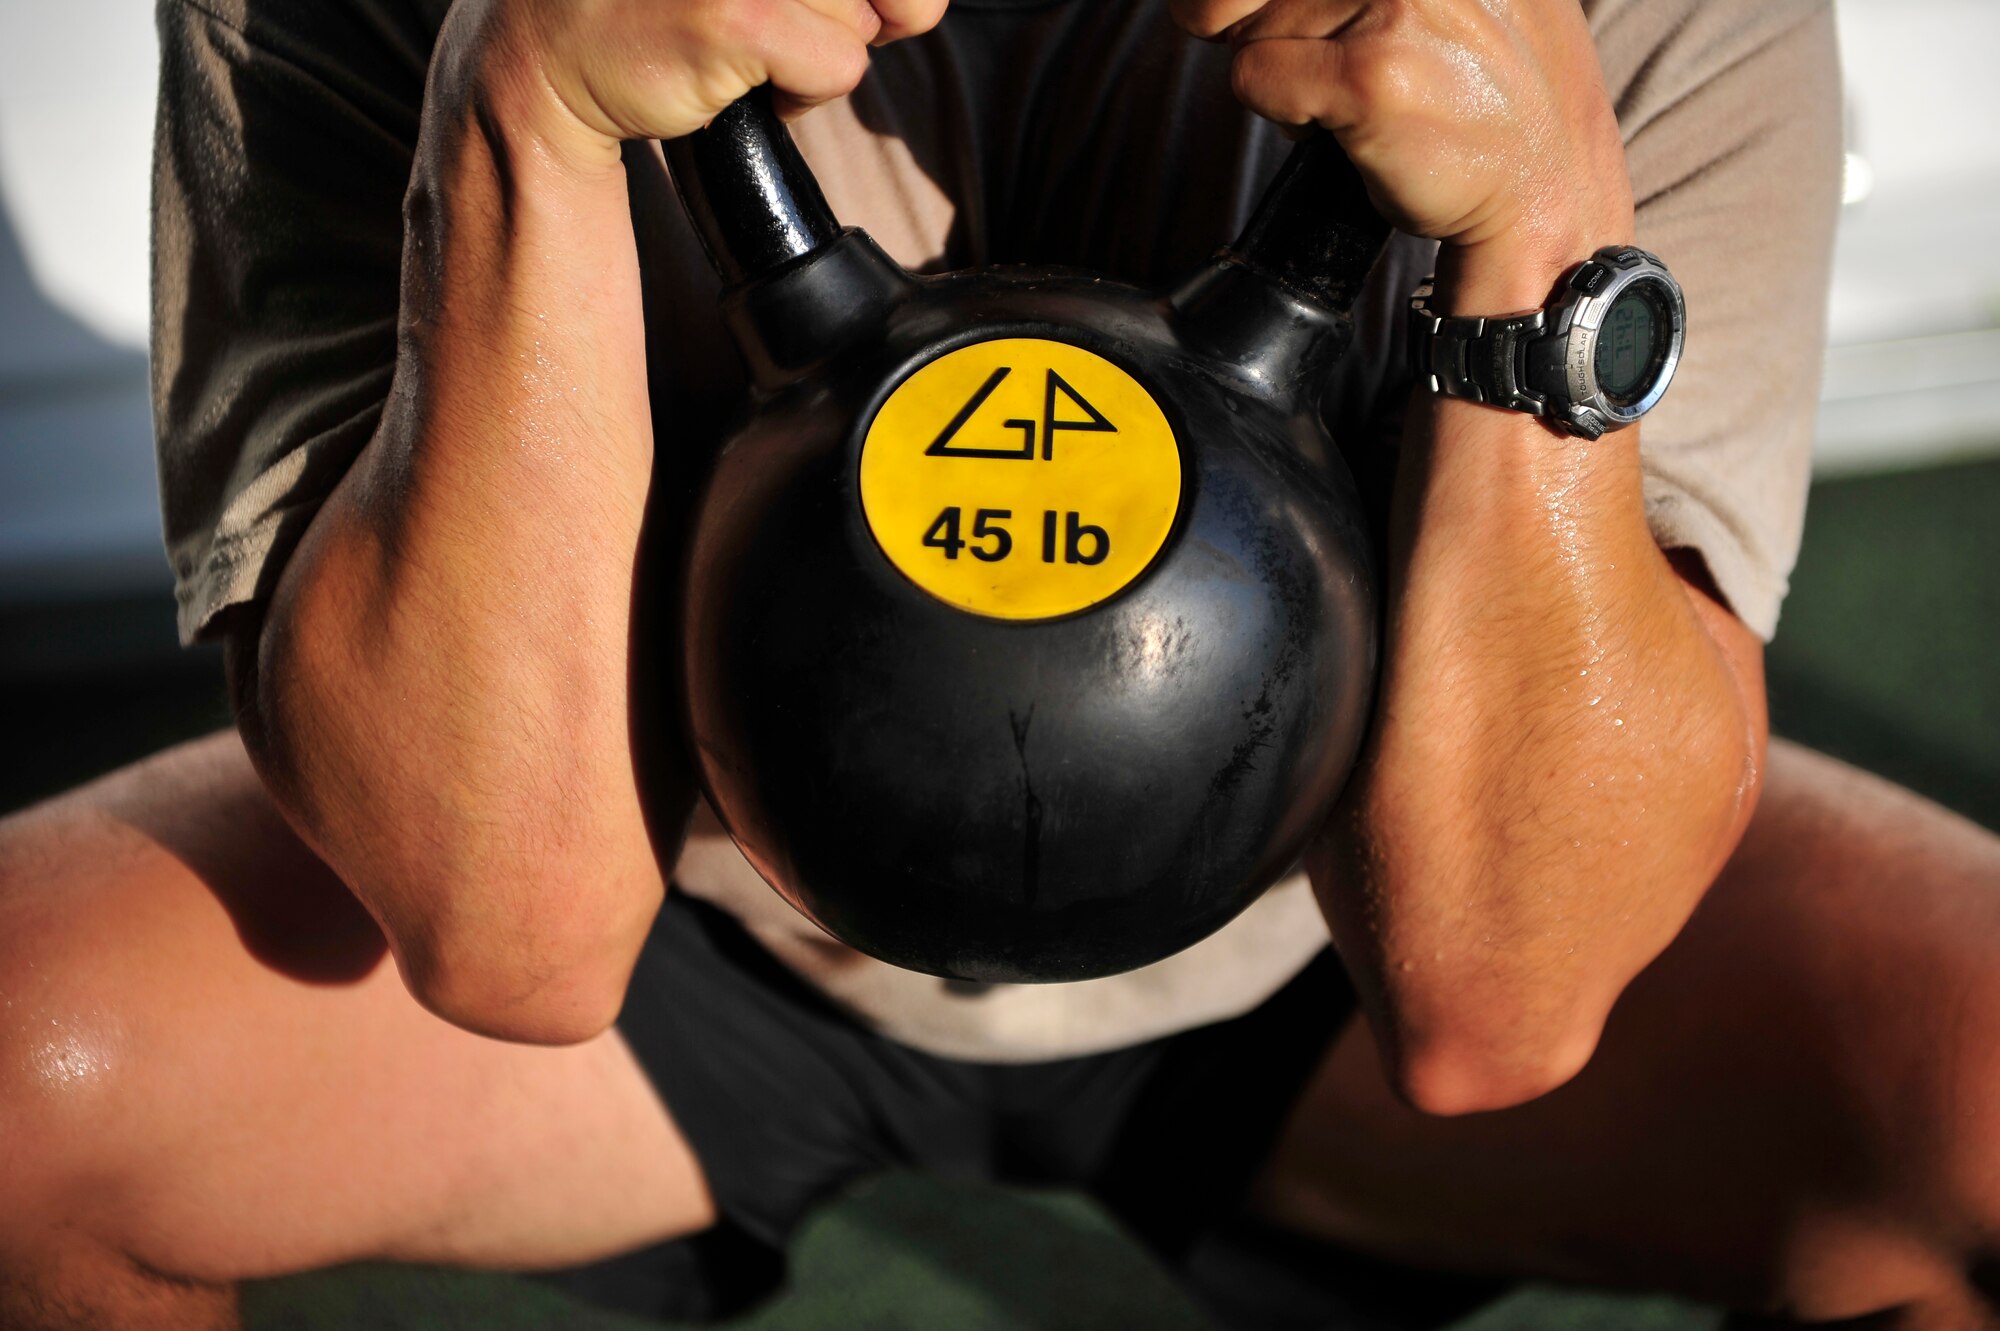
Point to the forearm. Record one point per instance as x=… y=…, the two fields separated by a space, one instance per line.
x=1568 y=737
x=1565 y=753
x=1568 y=731
x=439 y=694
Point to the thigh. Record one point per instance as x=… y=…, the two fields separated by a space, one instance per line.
x=1795 y=1105
x=209 y=1065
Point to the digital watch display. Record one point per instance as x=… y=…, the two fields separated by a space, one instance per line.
x=1597 y=358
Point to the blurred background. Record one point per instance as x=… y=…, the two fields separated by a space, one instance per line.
x=1888 y=655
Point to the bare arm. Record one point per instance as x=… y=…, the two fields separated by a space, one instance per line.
x=1570 y=726
x=1567 y=749
x=438 y=692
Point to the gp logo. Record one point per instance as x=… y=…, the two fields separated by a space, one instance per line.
x=1020 y=478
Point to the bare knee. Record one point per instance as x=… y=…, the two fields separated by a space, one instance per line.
x=93 y=915
x=1874 y=1269
x=63 y=1034
x=1962 y=1140
x=64 y=1097
x=1901 y=943
x=60 y=1029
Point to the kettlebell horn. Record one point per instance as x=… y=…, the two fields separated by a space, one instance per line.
x=1314 y=233
x=752 y=198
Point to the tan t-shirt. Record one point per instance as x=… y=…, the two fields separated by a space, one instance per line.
x=1083 y=132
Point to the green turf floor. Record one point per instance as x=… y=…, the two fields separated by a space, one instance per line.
x=903 y=1253
x=1889 y=656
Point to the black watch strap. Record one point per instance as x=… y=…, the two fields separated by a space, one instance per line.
x=1478 y=358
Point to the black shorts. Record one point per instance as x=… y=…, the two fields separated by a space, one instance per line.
x=786 y=1099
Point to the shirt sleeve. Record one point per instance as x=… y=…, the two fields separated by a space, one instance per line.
x=283 y=145
x=1731 y=115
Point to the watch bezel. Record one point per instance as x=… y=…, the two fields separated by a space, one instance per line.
x=1587 y=298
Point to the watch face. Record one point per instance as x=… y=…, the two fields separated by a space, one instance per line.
x=1633 y=343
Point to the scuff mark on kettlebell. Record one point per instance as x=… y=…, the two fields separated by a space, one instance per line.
x=1259 y=721
x=1031 y=810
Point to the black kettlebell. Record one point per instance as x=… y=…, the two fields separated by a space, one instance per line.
x=1029 y=621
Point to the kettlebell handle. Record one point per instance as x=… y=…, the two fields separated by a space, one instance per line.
x=752 y=198
x=1315 y=232
x=756 y=206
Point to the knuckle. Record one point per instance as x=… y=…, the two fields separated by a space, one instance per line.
x=1205 y=19
x=848 y=66
x=910 y=17
x=863 y=18
x=711 y=30
x=833 y=71
x=1257 y=78
x=1381 y=84
x=743 y=25
x=718 y=82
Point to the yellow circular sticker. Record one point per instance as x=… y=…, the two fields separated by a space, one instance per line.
x=1020 y=478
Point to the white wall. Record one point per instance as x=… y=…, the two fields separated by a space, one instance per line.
x=76 y=127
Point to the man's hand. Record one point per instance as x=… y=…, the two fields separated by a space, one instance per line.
x=1570 y=725
x=643 y=69
x=1483 y=124
x=438 y=695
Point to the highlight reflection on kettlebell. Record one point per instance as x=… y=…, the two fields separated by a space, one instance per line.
x=1029 y=619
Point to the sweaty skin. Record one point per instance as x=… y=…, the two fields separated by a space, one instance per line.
x=1512 y=853
x=1795 y=1110
x=1571 y=726
x=427 y=696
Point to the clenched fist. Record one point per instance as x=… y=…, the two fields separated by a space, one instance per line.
x=1480 y=123
x=658 y=69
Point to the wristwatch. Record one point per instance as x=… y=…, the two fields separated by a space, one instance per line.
x=1596 y=358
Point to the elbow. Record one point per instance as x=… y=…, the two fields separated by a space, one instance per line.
x=505 y=1003
x=1744 y=752
x=1728 y=741
x=514 y=880
x=1484 y=1036
x=1456 y=1072
x=1718 y=775
x=529 y=936
x=529 y=981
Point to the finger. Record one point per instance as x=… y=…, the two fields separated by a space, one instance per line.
x=857 y=15
x=906 y=18
x=1294 y=81
x=1237 y=21
x=807 y=57
x=1210 y=19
